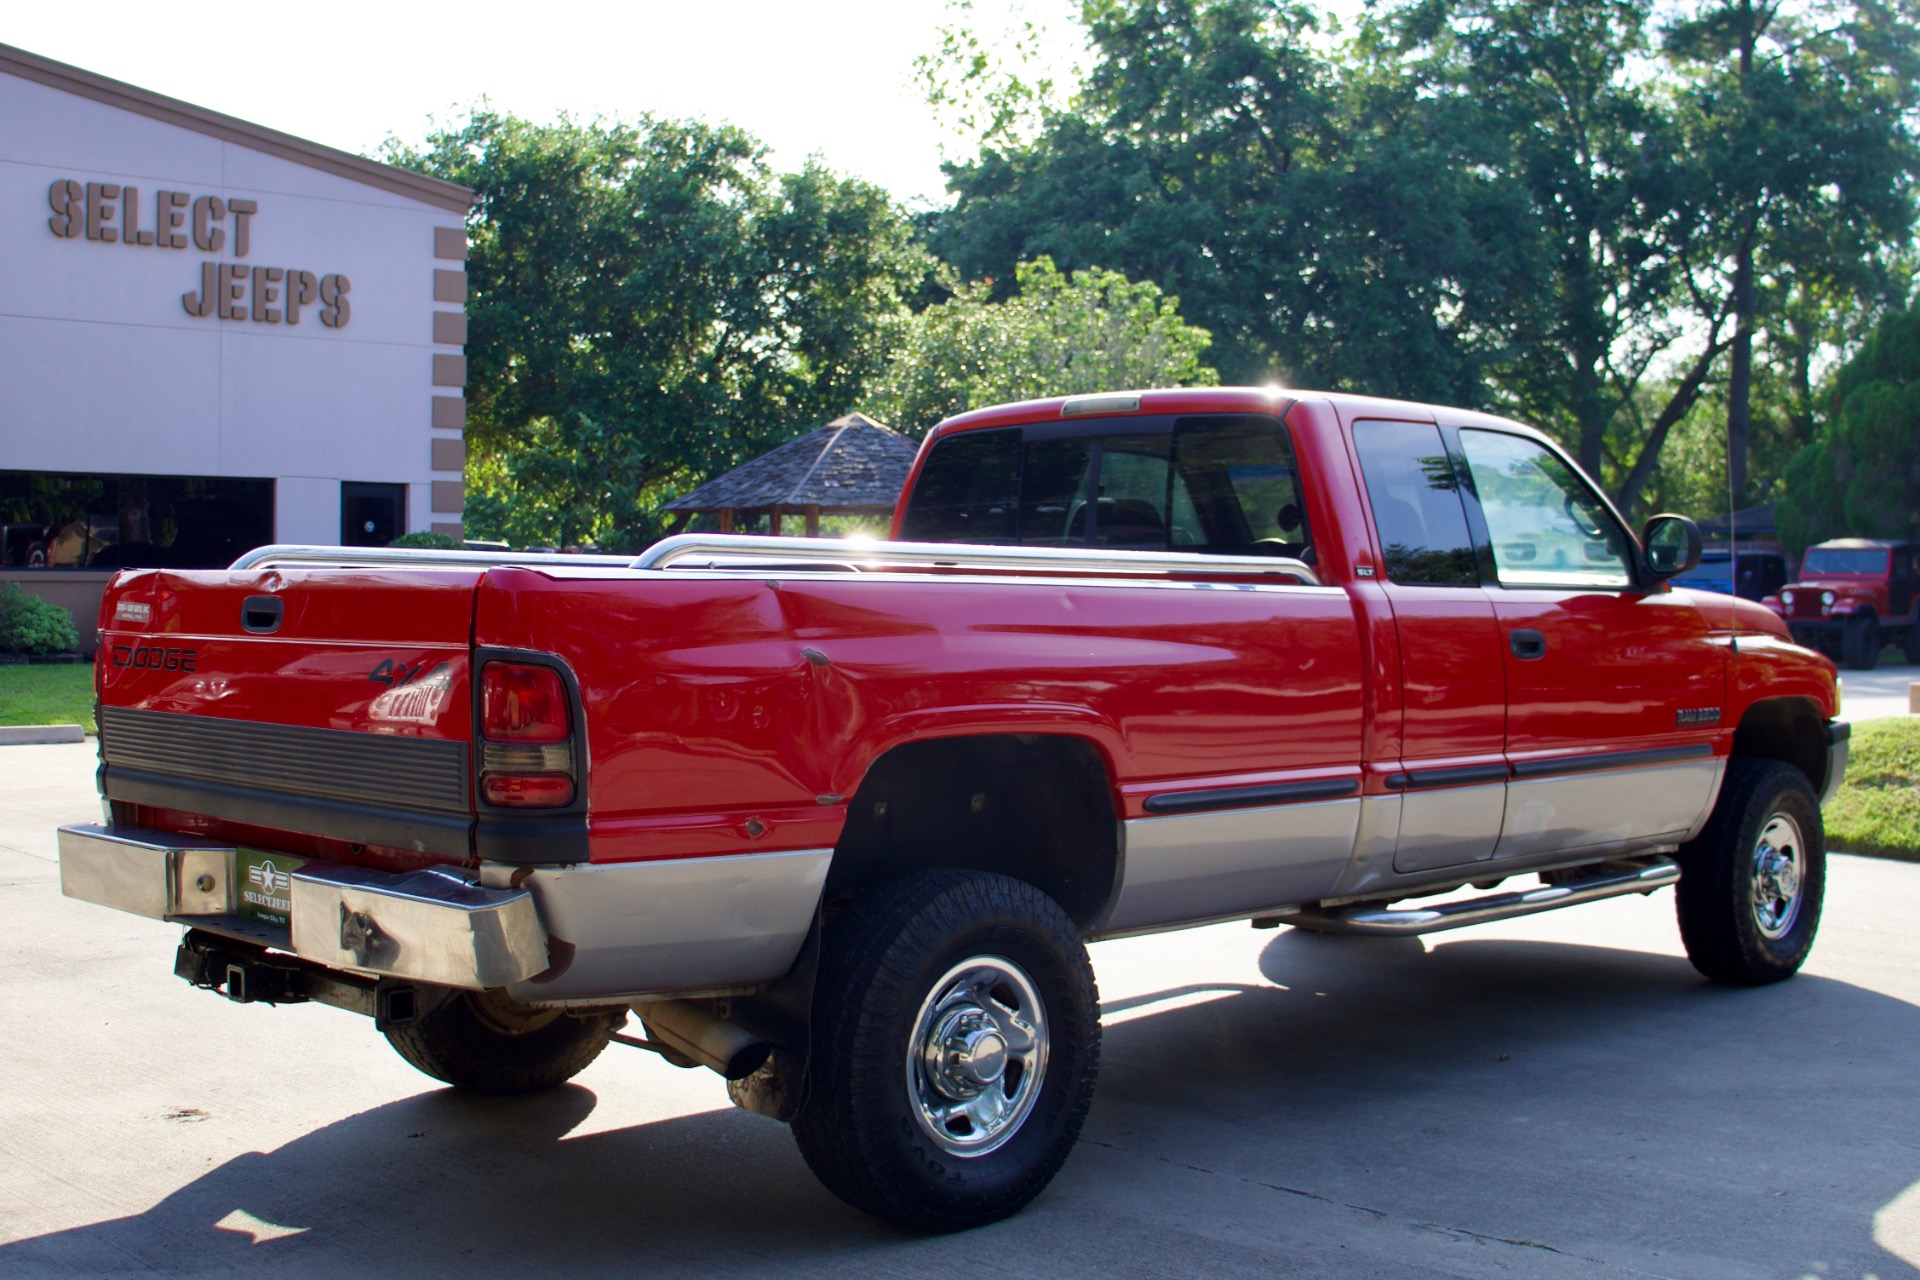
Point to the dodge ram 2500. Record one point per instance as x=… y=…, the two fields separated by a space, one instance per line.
x=837 y=819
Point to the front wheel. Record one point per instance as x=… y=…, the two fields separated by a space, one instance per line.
x=1751 y=886
x=956 y=1042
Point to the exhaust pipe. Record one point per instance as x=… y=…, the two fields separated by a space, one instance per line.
x=686 y=1028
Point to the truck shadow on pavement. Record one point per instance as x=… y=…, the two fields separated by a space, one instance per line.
x=1606 y=1106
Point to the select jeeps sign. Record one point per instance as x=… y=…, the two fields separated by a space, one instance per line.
x=112 y=213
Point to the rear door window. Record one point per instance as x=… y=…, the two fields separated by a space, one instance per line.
x=1415 y=494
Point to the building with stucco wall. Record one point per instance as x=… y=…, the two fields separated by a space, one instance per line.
x=213 y=336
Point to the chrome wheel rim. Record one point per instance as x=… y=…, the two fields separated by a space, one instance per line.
x=1779 y=875
x=977 y=1056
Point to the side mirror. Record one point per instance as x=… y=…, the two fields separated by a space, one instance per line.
x=1672 y=543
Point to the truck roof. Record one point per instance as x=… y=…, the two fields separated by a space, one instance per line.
x=1181 y=400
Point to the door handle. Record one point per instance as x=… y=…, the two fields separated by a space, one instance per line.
x=1527 y=644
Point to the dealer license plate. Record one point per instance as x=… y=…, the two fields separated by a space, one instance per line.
x=266 y=884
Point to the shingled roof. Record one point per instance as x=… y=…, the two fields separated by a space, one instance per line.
x=852 y=463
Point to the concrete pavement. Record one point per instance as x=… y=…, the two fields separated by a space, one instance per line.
x=1559 y=1096
x=1876 y=694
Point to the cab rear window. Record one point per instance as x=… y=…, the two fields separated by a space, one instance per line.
x=1225 y=484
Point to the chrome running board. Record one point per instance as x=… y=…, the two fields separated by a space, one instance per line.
x=1611 y=882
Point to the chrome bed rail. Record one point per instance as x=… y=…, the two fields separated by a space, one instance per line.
x=286 y=555
x=751 y=553
x=742 y=551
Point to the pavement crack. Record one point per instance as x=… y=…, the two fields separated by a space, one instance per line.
x=1378 y=1214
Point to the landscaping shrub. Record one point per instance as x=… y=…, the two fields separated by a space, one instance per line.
x=29 y=624
x=426 y=538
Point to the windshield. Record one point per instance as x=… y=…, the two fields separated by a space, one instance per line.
x=1834 y=560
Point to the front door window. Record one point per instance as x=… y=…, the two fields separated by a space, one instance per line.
x=1547 y=527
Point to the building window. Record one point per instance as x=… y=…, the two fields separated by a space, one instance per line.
x=371 y=515
x=50 y=520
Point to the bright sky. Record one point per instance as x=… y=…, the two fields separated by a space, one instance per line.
x=833 y=78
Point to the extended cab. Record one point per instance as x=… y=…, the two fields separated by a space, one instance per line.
x=837 y=819
x=1853 y=596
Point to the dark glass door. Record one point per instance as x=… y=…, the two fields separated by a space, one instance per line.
x=371 y=515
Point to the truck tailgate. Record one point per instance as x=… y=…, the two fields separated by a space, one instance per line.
x=331 y=703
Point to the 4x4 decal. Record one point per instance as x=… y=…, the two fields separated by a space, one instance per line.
x=393 y=674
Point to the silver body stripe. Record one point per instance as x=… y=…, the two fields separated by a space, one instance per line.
x=1615 y=808
x=1201 y=866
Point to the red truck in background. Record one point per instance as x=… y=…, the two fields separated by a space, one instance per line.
x=1853 y=596
x=838 y=819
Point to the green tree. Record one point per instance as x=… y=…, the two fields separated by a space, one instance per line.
x=1097 y=331
x=1797 y=120
x=1537 y=206
x=1861 y=476
x=1599 y=352
x=1311 y=219
x=649 y=305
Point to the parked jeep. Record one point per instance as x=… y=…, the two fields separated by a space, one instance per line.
x=1853 y=596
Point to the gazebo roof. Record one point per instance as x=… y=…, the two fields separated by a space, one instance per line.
x=1748 y=522
x=851 y=462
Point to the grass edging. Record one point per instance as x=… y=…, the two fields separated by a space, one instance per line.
x=47 y=694
x=1876 y=812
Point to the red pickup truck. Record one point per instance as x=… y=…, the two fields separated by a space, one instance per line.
x=837 y=819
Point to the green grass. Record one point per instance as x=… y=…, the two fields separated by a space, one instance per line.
x=47 y=695
x=1877 y=810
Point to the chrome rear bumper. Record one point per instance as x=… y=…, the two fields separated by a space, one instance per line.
x=438 y=926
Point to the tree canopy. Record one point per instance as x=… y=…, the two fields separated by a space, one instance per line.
x=1647 y=228
x=1098 y=331
x=649 y=304
x=1861 y=476
x=1599 y=215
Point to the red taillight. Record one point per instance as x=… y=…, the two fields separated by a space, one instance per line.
x=522 y=704
x=525 y=708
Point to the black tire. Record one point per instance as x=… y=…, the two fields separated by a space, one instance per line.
x=886 y=961
x=483 y=1042
x=1860 y=644
x=1717 y=899
x=1910 y=643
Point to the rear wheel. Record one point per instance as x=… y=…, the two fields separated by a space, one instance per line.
x=482 y=1041
x=1861 y=643
x=1751 y=886
x=956 y=1042
x=1910 y=643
